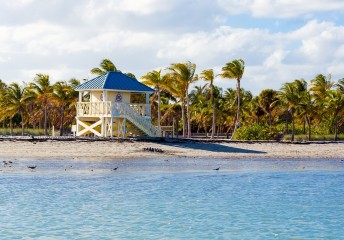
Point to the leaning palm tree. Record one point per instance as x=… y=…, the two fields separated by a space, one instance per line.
x=235 y=70
x=16 y=101
x=208 y=75
x=105 y=66
x=182 y=75
x=157 y=80
x=43 y=90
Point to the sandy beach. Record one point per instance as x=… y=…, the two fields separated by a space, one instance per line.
x=108 y=150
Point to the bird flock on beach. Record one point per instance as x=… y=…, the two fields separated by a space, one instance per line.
x=8 y=164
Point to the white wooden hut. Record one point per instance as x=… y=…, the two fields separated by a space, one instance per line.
x=105 y=107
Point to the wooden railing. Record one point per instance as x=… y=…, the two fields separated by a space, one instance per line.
x=88 y=109
x=142 y=109
x=138 y=114
x=143 y=123
x=91 y=109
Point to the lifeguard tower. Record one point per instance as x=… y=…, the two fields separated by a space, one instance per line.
x=108 y=109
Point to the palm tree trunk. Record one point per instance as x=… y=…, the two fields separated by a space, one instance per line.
x=188 y=115
x=309 y=127
x=22 y=123
x=236 y=123
x=62 y=121
x=292 y=127
x=336 y=128
x=45 y=121
x=205 y=129
x=183 y=117
x=213 y=107
x=159 y=110
x=198 y=127
x=270 y=120
x=11 y=126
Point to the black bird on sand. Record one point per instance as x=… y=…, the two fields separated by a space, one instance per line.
x=217 y=169
x=31 y=167
x=115 y=168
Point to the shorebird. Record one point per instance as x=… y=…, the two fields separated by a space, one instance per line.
x=31 y=167
x=115 y=168
x=217 y=169
x=10 y=162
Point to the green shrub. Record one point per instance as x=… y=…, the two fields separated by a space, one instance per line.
x=315 y=137
x=18 y=131
x=256 y=132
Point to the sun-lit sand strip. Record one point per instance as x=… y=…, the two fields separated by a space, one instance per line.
x=135 y=150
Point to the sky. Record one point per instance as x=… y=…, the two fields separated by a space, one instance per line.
x=279 y=40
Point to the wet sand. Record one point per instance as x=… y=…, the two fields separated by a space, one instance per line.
x=105 y=150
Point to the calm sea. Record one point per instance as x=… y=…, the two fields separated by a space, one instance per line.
x=173 y=199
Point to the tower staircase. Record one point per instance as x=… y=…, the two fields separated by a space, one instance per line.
x=135 y=118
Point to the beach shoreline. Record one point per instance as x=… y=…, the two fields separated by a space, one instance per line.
x=126 y=150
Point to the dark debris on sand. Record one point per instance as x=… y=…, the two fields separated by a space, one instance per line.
x=150 y=149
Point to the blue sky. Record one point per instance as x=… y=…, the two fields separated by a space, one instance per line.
x=279 y=40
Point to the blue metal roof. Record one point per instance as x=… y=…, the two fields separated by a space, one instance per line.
x=114 y=81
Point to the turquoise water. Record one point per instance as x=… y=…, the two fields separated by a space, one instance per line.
x=173 y=199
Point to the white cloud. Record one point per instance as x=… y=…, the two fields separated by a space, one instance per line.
x=122 y=32
x=275 y=59
x=280 y=8
x=97 y=7
x=2 y=59
x=16 y=3
x=205 y=46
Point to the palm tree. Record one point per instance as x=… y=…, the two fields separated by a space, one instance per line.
x=105 y=66
x=63 y=95
x=208 y=75
x=335 y=105
x=16 y=99
x=130 y=75
x=255 y=110
x=43 y=90
x=307 y=109
x=181 y=76
x=199 y=105
x=235 y=70
x=266 y=101
x=3 y=87
x=340 y=85
x=320 y=86
x=156 y=79
x=290 y=96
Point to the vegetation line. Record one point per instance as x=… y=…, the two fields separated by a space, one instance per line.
x=299 y=110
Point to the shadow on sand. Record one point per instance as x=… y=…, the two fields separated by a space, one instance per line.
x=212 y=147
